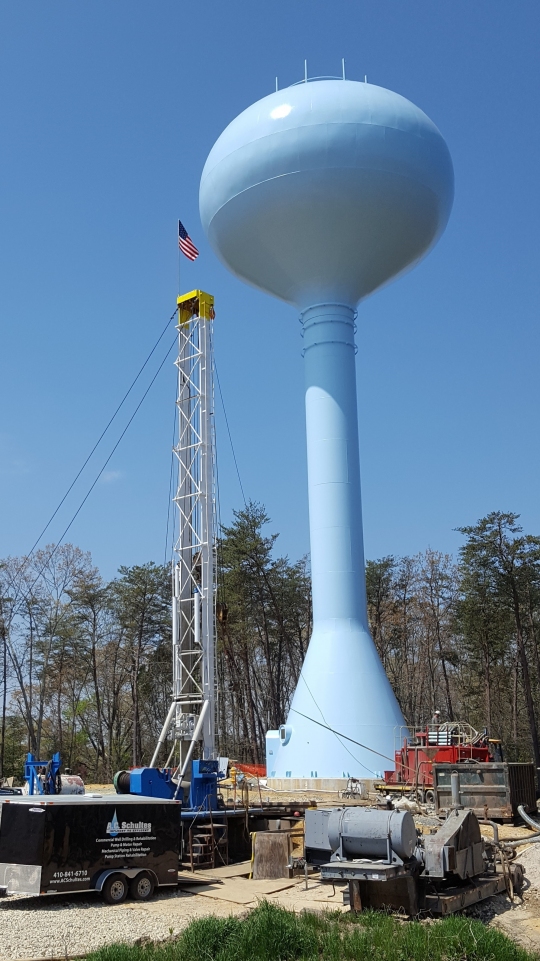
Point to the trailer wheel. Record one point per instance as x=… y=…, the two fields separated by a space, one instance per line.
x=115 y=889
x=430 y=797
x=142 y=887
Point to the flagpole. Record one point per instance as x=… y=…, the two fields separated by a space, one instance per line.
x=179 y=256
x=186 y=247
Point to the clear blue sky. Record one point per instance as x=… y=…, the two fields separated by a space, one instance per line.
x=108 y=111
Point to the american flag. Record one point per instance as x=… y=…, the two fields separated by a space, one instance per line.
x=185 y=243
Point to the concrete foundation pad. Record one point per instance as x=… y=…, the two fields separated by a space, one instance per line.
x=315 y=785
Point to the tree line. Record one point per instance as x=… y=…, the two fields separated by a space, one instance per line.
x=85 y=665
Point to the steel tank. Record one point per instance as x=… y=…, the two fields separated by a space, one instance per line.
x=319 y=194
x=364 y=832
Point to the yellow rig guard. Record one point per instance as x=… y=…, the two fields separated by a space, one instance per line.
x=195 y=304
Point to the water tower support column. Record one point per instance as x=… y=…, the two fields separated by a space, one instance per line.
x=335 y=509
x=343 y=684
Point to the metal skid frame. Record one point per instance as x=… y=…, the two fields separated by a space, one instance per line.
x=366 y=870
x=194 y=564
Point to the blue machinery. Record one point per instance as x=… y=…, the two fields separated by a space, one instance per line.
x=157 y=782
x=203 y=788
x=43 y=777
x=319 y=194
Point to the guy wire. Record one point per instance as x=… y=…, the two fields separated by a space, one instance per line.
x=90 y=489
x=102 y=435
x=230 y=436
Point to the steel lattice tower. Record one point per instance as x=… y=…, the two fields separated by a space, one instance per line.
x=194 y=565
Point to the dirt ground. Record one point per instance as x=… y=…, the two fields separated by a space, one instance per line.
x=520 y=919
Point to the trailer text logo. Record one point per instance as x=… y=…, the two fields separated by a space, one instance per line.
x=114 y=828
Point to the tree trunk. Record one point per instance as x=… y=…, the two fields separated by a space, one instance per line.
x=4 y=693
x=445 y=674
x=135 y=692
x=515 y=701
x=487 y=687
x=526 y=682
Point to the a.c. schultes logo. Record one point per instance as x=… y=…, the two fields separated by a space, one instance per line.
x=114 y=828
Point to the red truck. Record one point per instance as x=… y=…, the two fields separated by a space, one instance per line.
x=448 y=742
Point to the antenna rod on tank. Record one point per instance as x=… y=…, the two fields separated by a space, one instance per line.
x=277 y=87
x=343 y=66
x=305 y=71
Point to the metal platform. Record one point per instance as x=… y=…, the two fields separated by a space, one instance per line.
x=363 y=871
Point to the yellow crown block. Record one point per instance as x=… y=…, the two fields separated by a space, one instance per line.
x=195 y=304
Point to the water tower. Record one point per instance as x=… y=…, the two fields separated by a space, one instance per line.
x=319 y=194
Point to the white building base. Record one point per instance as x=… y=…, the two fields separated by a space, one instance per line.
x=316 y=785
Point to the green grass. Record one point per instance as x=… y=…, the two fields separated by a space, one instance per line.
x=271 y=933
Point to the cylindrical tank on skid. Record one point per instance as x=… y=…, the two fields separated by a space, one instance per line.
x=365 y=833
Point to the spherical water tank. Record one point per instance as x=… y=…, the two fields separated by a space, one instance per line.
x=324 y=191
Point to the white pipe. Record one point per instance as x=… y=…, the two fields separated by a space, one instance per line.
x=194 y=739
x=163 y=735
x=197 y=618
x=170 y=757
x=176 y=679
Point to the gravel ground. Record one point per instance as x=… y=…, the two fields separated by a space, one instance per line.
x=59 y=927
x=519 y=920
x=529 y=857
x=50 y=927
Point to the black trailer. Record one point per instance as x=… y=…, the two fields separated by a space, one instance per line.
x=114 y=844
